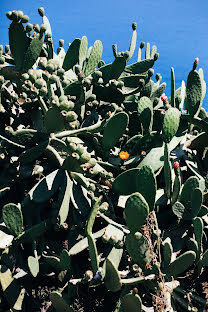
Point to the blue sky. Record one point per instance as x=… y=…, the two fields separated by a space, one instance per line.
x=177 y=27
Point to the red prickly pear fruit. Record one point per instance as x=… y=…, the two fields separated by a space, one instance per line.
x=176 y=164
x=164 y=98
x=196 y=60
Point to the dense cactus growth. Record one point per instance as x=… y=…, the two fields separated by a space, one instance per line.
x=103 y=180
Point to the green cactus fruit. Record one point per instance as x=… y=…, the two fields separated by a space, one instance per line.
x=85 y=157
x=9 y=15
x=112 y=233
x=53 y=79
x=181 y=264
x=29 y=27
x=139 y=67
x=147 y=52
x=72 y=55
x=145 y=112
x=54 y=114
x=137 y=180
x=94 y=57
x=193 y=93
x=59 y=303
x=138 y=248
x=33 y=52
x=142 y=44
x=13 y=219
x=116 y=125
x=61 y=43
x=167 y=252
x=136 y=212
x=39 y=83
x=112 y=280
x=131 y=303
x=41 y=11
x=25 y=19
x=12 y=291
x=167 y=172
x=173 y=104
x=170 y=124
x=70 y=116
x=33 y=265
x=66 y=105
x=156 y=56
x=14 y=16
x=18 y=42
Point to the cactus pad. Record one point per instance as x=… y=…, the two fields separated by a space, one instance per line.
x=13 y=219
x=136 y=212
x=193 y=93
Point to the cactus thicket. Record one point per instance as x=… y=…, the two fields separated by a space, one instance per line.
x=103 y=180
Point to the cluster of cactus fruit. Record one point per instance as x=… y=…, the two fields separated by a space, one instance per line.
x=103 y=178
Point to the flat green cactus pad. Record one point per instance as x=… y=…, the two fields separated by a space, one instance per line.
x=145 y=112
x=112 y=278
x=33 y=52
x=138 y=249
x=139 y=67
x=94 y=57
x=136 y=212
x=13 y=219
x=18 y=42
x=116 y=125
x=193 y=93
x=137 y=180
x=72 y=55
x=131 y=303
x=170 y=124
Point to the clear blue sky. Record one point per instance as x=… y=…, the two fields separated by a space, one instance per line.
x=179 y=28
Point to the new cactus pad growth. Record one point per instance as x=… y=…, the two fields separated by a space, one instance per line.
x=103 y=180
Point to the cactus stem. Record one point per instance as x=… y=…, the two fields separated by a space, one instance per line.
x=94 y=128
x=43 y=105
x=55 y=154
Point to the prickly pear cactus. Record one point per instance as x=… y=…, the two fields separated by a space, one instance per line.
x=103 y=180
